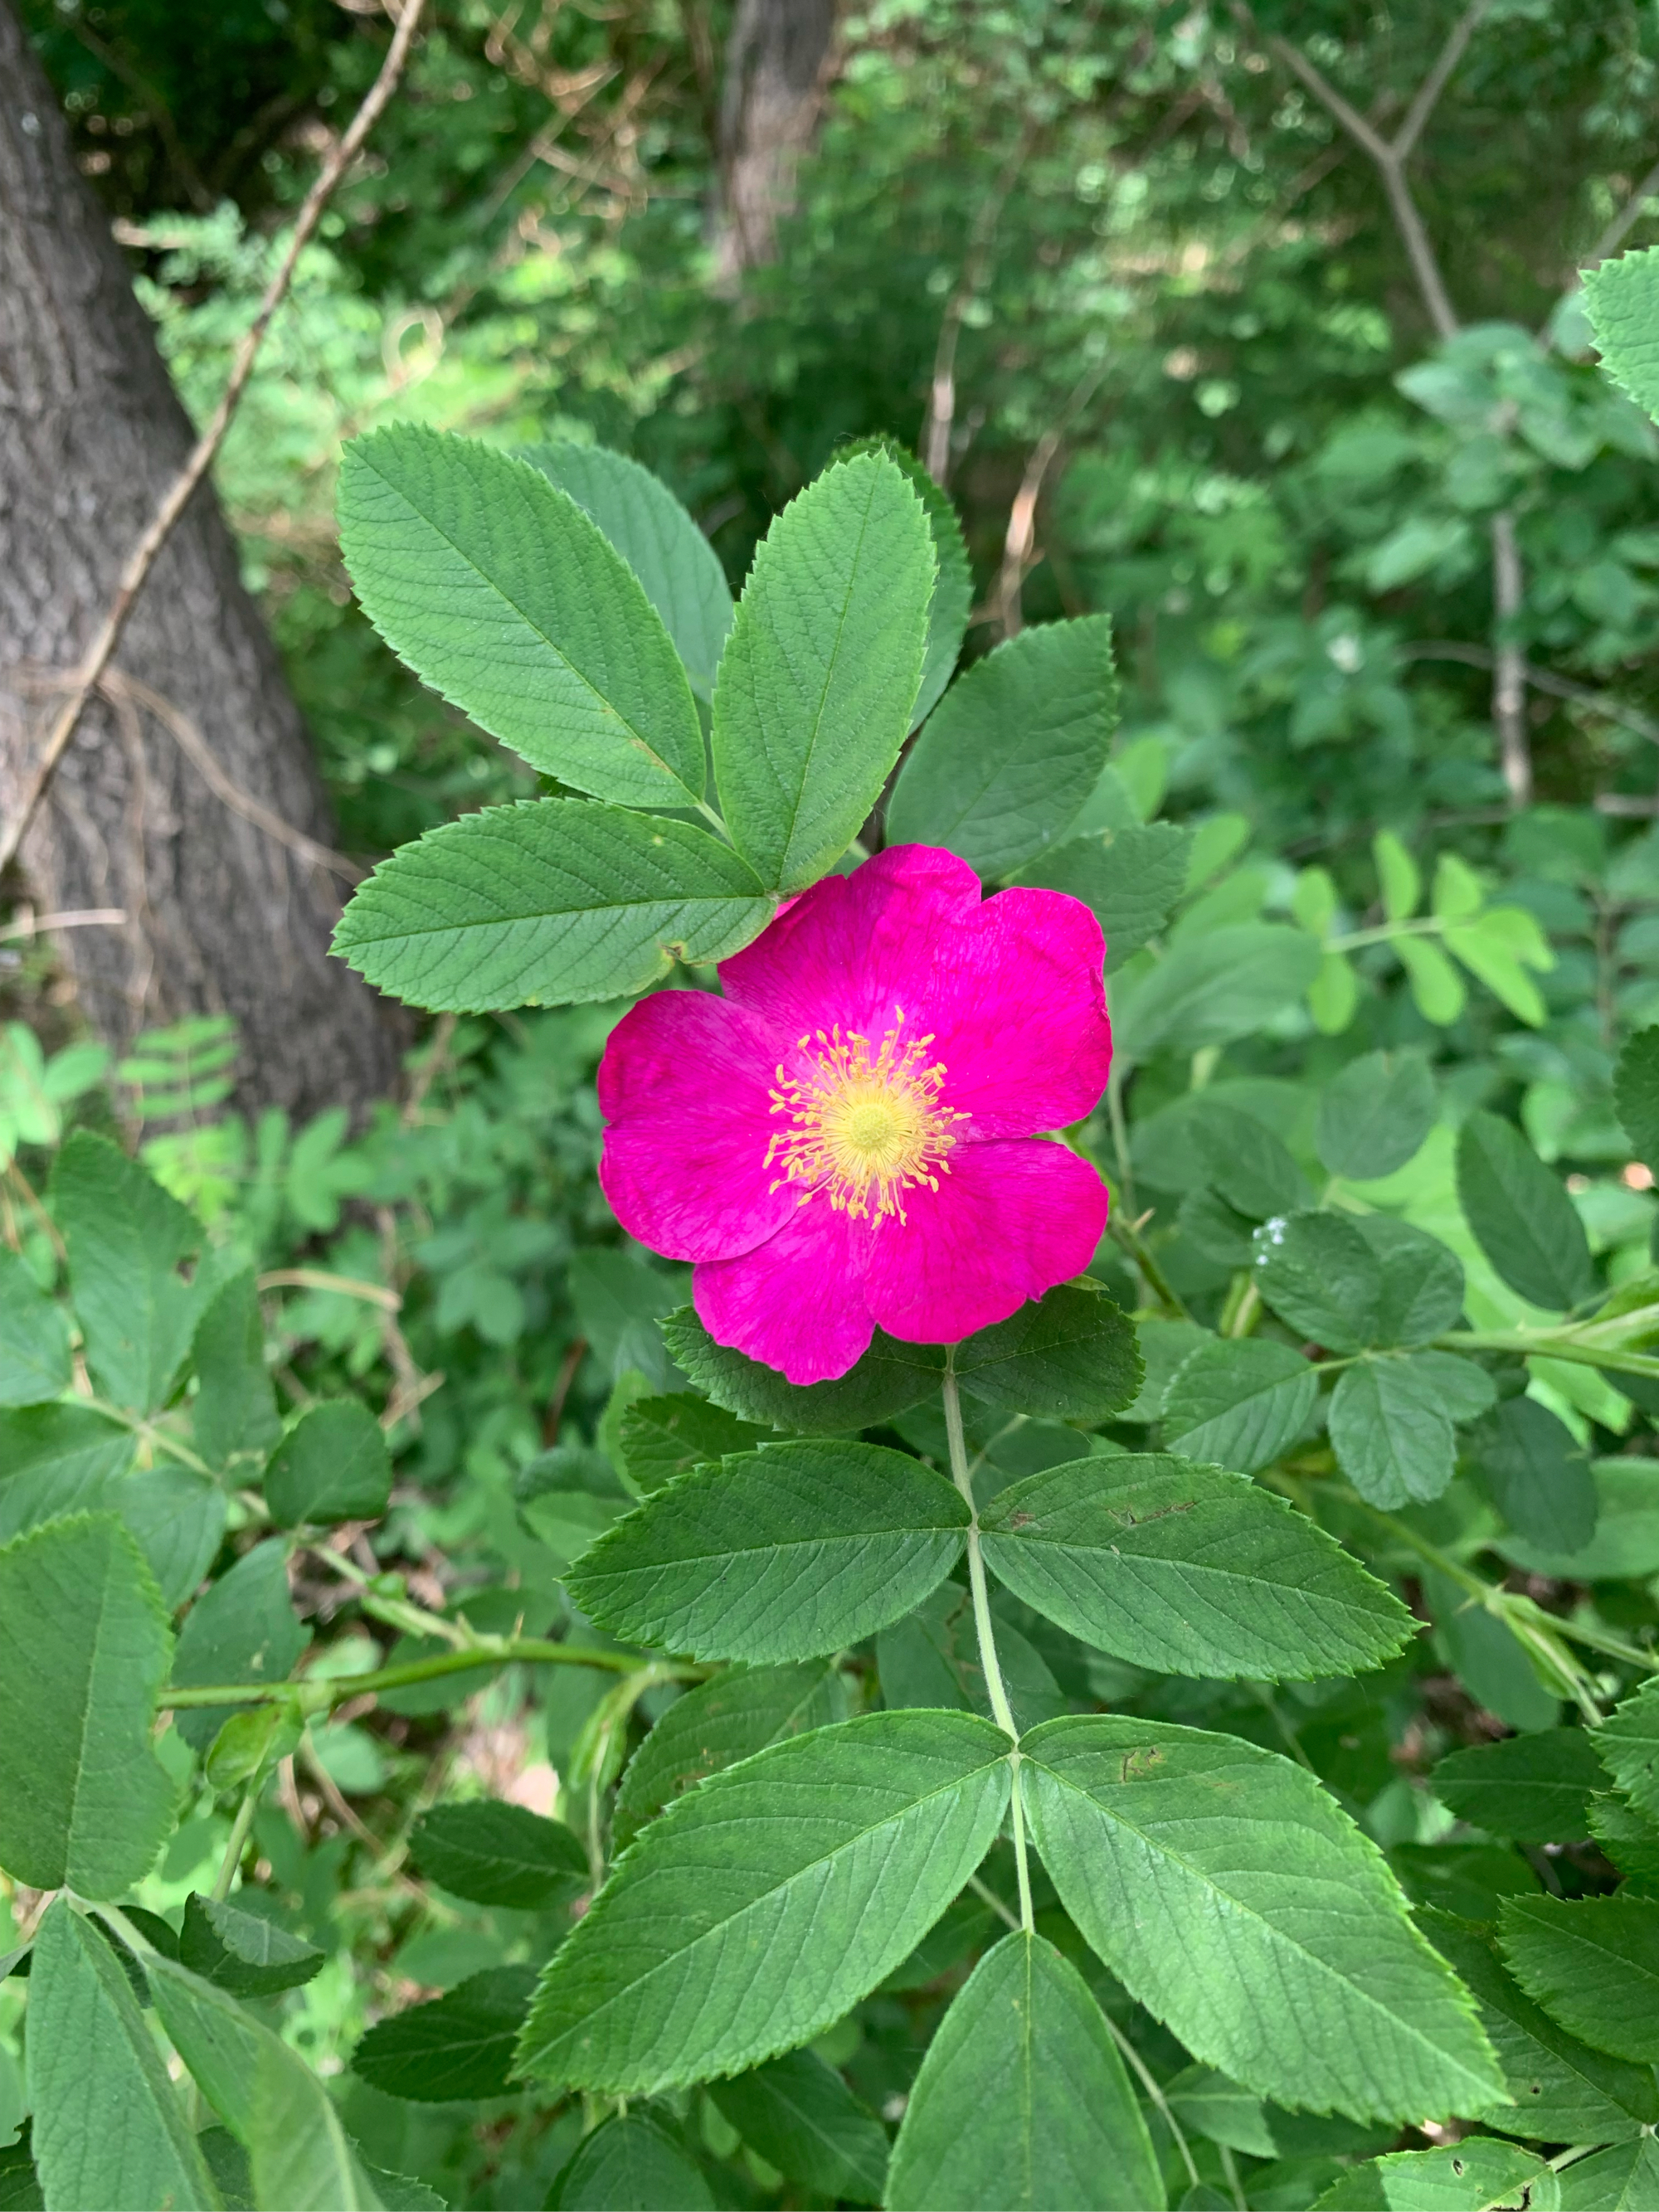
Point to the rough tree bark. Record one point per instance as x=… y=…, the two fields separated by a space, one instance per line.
x=221 y=916
x=777 y=60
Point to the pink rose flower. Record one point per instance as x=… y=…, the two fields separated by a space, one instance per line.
x=850 y=1136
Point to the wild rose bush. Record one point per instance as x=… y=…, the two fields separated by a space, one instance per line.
x=949 y=1534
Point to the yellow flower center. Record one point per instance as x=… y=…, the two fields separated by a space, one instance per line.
x=865 y=1127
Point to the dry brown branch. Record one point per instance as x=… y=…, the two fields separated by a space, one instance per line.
x=1019 y=541
x=1509 y=691
x=935 y=441
x=124 y=691
x=177 y=495
x=1390 y=154
x=86 y=917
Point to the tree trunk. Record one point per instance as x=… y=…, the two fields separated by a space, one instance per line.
x=222 y=916
x=776 y=62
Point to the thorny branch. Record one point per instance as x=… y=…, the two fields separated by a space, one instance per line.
x=177 y=495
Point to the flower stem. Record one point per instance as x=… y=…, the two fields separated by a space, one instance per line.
x=1002 y=1711
x=493 y=1651
x=238 y=1841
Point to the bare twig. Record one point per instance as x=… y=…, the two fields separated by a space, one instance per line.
x=85 y=917
x=143 y=557
x=1390 y=154
x=123 y=690
x=1509 y=691
x=1626 y=220
x=1544 y=679
x=935 y=441
x=1019 y=541
x=1508 y=680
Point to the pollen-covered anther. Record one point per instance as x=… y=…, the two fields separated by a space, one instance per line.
x=865 y=1127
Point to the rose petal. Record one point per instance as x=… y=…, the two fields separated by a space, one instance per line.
x=685 y=1086
x=854 y=949
x=797 y=1301
x=1016 y=1005
x=1008 y=1222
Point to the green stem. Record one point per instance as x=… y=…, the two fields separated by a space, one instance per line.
x=1157 y=1282
x=395 y=1612
x=1541 y=1344
x=1428 y=925
x=237 y=1842
x=1518 y=1613
x=1001 y=1709
x=1154 y=2094
x=150 y=1435
x=496 y=1651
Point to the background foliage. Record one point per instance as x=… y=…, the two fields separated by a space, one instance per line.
x=1160 y=261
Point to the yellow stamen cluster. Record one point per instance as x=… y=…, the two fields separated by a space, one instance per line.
x=864 y=1126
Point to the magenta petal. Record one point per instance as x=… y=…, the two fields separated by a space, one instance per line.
x=798 y=1302
x=1017 y=1004
x=854 y=949
x=1006 y=1224
x=685 y=1086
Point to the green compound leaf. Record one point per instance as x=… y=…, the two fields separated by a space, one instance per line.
x=1562 y=2091
x=890 y=1377
x=1636 y=1093
x=268 y=2097
x=1476 y=2175
x=1627 y=1538
x=719 y=1723
x=1537 y=1475
x=1527 y=1225
x=34 y=1342
x=1320 y=1274
x=1621 y=297
x=241 y=1630
x=801 y=2116
x=1338 y=1280
x=1536 y=1788
x=777 y=1554
x=58 y=1459
x=767 y=1901
x=500 y=593
x=109 y=2127
x=1628 y=1742
x=677 y=565
x=459 y=2046
x=1131 y=877
x=500 y=1854
x=552 y=901
x=953 y=594
x=630 y=2164
x=1008 y=757
x=1374 y=1115
x=234 y=1409
x=1213 y=988
x=1593 y=1963
x=125 y=1237
x=1235 y=1899
x=332 y=1465
x=83 y=1650
x=817 y=686
x=1188 y=1571
x=661 y=1438
x=1240 y=1401
x=1622 y=2181
x=1070 y=1355
x=1021 y=2102
x=1390 y=1431
x=243 y=1952
x=1249 y=1165
x=1629 y=1839
x=931 y=1659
